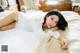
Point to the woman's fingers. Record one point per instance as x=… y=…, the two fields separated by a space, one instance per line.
x=64 y=44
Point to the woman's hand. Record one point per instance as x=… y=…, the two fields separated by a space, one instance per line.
x=63 y=44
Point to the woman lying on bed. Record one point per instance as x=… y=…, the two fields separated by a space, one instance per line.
x=54 y=21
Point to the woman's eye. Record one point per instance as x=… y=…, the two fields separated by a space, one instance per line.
x=51 y=18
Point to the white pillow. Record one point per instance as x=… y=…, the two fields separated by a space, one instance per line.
x=70 y=15
x=73 y=19
x=24 y=22
x=30 y=21
x=74 y=25
x=5 y=14
x=36 y=18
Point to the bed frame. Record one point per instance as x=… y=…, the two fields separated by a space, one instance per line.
x=67 y=6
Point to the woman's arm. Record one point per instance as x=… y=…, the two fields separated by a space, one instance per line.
x=9 y=19
x=10 y=26
x=6 y=21
x=63 y=42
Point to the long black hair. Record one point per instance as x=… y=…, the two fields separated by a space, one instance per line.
x=62 y=23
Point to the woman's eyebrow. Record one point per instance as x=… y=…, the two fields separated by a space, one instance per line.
x=52 y=18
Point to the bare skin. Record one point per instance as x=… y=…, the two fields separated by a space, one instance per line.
x=9 y=22
x=10 y=26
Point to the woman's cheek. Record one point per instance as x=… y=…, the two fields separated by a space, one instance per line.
x=48 y=22
x=53 y=24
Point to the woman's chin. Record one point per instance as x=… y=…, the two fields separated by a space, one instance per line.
x=51 y=27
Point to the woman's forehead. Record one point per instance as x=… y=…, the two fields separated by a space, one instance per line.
x=53 y=16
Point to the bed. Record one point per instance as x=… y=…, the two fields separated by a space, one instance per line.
x=27 y=35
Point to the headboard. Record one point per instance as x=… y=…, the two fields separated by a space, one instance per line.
x=67 y=6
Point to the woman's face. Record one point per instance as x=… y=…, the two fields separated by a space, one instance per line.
x=52 y=21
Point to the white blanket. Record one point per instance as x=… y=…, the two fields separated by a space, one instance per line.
x=19 y=41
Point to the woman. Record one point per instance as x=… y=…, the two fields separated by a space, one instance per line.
x=54 y=21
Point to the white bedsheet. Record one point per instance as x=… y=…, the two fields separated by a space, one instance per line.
x=4 y=14
x=19 y=41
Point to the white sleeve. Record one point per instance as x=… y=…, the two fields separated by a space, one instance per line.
x=55 y=34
